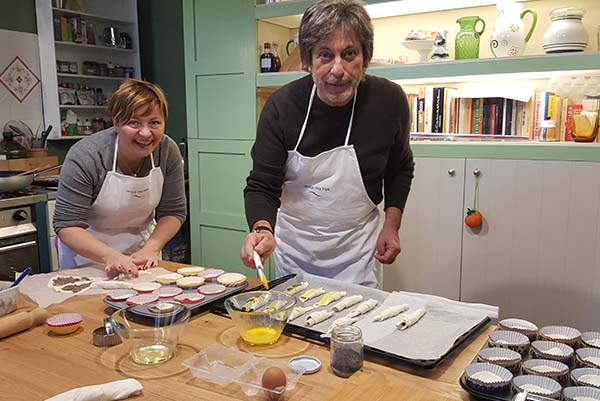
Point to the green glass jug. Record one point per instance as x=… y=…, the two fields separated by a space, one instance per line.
x=467 y=40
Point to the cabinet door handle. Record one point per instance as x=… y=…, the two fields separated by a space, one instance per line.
x=476 y=172
x=451 y=172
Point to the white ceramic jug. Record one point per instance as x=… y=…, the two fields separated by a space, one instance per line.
x=509 y=37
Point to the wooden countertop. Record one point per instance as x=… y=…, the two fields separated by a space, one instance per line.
x=36 y=364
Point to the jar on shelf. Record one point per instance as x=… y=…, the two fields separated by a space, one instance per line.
x=347 y=352
x=566 y=32
x=97 y=124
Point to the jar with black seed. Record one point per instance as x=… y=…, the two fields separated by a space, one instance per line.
x=346 y=350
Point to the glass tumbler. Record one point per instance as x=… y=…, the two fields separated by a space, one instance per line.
x=346 y=350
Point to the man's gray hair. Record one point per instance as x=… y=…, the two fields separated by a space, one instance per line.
x=323 y=18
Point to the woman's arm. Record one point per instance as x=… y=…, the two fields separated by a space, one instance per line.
x=166 y=228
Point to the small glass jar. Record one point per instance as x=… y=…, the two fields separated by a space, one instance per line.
x=346 y=350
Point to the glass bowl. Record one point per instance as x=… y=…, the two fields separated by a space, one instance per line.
x=260 y=316
x=150 y=336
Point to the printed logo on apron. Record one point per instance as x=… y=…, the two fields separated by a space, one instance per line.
x=123 y=214
x=327 y=225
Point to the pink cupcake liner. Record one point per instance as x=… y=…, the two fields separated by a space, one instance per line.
x=142 y=299
x=188 y=298
x=64 y=319
x=211 y=289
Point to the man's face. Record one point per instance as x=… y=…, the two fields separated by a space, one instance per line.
x=337 y=68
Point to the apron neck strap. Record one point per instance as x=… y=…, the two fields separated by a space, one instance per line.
x=114 y=166
x=310 y=102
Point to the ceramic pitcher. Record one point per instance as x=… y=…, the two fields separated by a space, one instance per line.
x=467 y=40
x=509 y=37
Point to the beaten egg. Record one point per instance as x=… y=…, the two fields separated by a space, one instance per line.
x=274 y=382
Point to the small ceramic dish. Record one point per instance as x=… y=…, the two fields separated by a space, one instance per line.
x=591 y=339
x=509 y=339
x=552 y=350
x=190 y=283
x=64 y=323
x=588 y=357
x=488 y=377
x=545 y=367
x=586 y=377
x=500 y=356
x=190 y=271
x=169 y=278
x=581 y=394
x=538 y=385
x=520 y=326
x=560 y=334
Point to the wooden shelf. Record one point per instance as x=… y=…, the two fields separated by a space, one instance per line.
x=90 y=77
x=76 y=106
x=94 y=47
x=69 y=138
x=95 y=17
x=526 y=67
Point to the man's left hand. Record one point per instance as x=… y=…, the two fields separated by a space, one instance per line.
x=388 y=245
x=145 y=258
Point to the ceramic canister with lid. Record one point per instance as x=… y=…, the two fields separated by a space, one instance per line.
x=566 y=32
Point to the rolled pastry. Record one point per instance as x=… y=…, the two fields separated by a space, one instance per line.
x=317 y=317
x=390 y=312
x=294 y=288
x=275 y=305
x=330 y=297
x=363 y=308
x=111 y=285
x=299 y=311
x=346 y=303
x=410 y=318
x=254 y=303
x=342 y=321
x=310 y=294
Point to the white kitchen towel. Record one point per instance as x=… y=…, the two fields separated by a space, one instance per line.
x=117 y=390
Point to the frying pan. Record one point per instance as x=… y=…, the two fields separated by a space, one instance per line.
x=10 y=181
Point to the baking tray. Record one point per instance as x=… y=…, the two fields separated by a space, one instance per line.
x=194 y=308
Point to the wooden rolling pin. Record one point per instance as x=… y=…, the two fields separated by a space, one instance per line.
x=13 y=324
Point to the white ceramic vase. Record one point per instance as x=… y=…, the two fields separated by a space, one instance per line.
x=509 y=37
x=566 y=32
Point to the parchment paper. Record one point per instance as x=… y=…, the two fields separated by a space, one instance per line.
x=36 y=286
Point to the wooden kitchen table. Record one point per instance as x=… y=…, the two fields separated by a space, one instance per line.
x=36 y=364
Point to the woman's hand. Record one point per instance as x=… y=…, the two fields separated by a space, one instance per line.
x=145 y=258
x=117 y=262
x=263 y=243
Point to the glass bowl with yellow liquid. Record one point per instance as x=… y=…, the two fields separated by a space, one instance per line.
x=150 y=331
x=260 y=316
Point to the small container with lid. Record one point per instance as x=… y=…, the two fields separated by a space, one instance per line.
x=566 y=32
x=346 y=350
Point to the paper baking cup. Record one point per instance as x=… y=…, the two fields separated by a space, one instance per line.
x=552 y=350
x=231 y=279
x=146 y=287
x=588 y=357
x=520 y=326
x=190 y=283
x=142 y=299
x=169 y=278
x=190 y=271
x=538 y=385
x=167 y=292
x=509 y=339
x=64 y=319
x=546 y=367
x=591 y=339
x=188 y=298
x=211 y=289
x=500 y=356
x=586 y=377
x=487 y=377
x=581 y=393
x=560 y=334
x=120 y=295
x=211 y=274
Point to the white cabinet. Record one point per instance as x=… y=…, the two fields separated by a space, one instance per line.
x=537 y=255
x=430 y=234
x=121 y=16
x=51 y=204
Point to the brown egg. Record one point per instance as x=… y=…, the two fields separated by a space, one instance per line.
x=272 y=379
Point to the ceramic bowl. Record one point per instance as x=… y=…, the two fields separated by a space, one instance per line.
x=552 y=350
x=591 y=339
x=545 y=367
x=509 y=339
x=586 y=377
x=519 y=325
x=560 y=334
x=500 y=356
x=8 y=298
x=538 y=385
x=581 y=393
x=487 y=377
x=588 y=357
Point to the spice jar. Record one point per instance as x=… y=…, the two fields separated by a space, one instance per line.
x=346 y=350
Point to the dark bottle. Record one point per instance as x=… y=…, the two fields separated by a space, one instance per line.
x=267 y=61
x=276 y=58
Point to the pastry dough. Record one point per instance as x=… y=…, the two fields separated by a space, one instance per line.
x=111 y=285
x=390 y=312
x=363 y=308
x=347 y=302
x=330 y=297
x=312 y=293
x=253 y=303
x=190 y=282
x=231 y=279
x=299 y=311
x=342 y=321
x=294 y=288
x=190 y=271
x=169 y=278
x=410 y=319
x=317 y=317
x=275 y=305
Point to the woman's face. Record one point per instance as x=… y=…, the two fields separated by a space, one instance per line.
x=337 y=68
x=139 y=136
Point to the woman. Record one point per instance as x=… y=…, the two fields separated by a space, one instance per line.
x=114 y=184
x=329 y=148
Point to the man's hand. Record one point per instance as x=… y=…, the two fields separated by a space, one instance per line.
x=262 y=242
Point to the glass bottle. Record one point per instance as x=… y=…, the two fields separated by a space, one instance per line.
x=276 y=59
x=266 y=59
x=346 y=350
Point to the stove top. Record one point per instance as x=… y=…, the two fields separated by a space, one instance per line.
x=16 y=194
x=20 y=198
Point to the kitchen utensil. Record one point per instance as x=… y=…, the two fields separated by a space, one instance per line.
x=261 y=273
x=33 y=170
x=22 y=321
x=23 y=274
x=265 y=324
x=11 y=181
x=467 y=40
x=45 y=135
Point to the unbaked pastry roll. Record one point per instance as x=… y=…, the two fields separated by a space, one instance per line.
x=317 y=317
x=330 y=297
x=363 y=308
x=299 y=311
x=390 y=312
x=410 y=318
x=347 y=302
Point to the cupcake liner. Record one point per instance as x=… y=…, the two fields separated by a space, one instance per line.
x=167 y=292
x=211 y=274
x=588 y=357
x=189 y=298
x=146 y=287
x=64 y=319
x=520 y=326
x=169 y=278
x=190 y=283
x=211 y=289
x=120 y=295
x=190 y=271
x=560 y=334
x=500 y=356
x=538 y=385
x=545 y=367
x=591 y=339
x=586 y=377
x=509 y=339
x=488 y=377
x=578 y=393
x=142 y=299
x=231 y=279
x=552 y=350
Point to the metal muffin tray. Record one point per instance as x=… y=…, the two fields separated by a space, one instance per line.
x=194 y=308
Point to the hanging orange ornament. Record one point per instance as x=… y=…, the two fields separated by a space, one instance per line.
x=474 y=218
